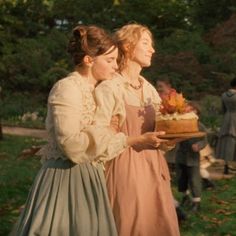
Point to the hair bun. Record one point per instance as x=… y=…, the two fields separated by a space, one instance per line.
x=88 y=40
x=79 y=32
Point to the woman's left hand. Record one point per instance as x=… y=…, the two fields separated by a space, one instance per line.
x=114 y=124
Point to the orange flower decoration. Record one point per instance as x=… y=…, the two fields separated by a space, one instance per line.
x=174 y=102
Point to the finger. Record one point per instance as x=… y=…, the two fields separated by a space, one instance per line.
x=161 y=140
x=170 y=143
x=156 y=145
x=159 y=133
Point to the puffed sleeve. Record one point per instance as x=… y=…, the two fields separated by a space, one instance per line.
x=109 y=105
x=110 y=102
x=105 y=144
x=79 y=144
x=65 y=104
x=105 y=100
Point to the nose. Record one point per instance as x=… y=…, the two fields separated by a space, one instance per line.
x=152 y=50
x=115 y=66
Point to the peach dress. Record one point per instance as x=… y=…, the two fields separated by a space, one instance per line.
x=138 y=183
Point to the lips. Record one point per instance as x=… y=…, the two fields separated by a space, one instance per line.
x=148 y=56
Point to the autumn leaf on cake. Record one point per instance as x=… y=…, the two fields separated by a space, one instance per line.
x=175 y=102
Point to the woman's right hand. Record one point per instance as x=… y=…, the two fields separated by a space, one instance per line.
x=151 y=138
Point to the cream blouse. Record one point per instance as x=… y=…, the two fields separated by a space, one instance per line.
x=111 y=96
x=71 y=109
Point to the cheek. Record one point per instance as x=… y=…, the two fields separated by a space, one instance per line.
x=139 y=54
x=101 y=70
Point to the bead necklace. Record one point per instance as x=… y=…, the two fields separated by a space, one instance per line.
x=137 y=86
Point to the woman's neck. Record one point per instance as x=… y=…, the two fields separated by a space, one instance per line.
x=132 y=72
x=87 y=76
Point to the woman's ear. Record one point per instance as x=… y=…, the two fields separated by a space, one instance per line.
x=88 y=61
x=127 y=47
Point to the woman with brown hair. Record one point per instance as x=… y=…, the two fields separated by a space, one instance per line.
x=138 y=180
x=69 y=195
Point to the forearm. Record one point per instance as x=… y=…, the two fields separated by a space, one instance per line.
x=149 y=138
x=134 y=140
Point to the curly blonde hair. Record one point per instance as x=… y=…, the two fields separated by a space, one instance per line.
x=127 y=37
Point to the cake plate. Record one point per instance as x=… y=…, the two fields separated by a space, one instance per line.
x=184 y=135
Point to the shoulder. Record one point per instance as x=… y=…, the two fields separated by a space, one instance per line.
x=149 y=88
x=111 y=85
x=148 y=85
x=67 y=87
x=70 y=80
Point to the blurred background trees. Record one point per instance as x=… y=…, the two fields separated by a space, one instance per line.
x=195 y=42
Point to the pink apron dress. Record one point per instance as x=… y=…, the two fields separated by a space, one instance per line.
x=138 y=183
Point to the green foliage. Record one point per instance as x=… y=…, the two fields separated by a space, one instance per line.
x=15 y=106
x=83 y=11
x=206 y=14
x=25 y=18
x=225 y=60
x=34 y=36
x=34 y=63
x=154 y=13
x=24 y=67
x=181 y=40
x=211 y=111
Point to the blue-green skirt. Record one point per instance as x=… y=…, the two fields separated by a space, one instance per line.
x=67 y=199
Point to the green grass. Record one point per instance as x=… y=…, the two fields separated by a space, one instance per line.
x=218 y=212
x=16 y=177
x=217 y=216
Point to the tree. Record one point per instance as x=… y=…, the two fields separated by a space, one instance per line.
x=1 y=133
x=207 y=14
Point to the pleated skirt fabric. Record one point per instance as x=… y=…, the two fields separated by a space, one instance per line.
x=67 y=199
x=226 y=148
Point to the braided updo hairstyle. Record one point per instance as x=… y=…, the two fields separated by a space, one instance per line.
x=89 y=40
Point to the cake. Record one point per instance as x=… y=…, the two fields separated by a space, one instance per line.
x=176 y=115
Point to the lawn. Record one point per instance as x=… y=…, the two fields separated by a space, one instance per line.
x=16 y=176
x=218 y=210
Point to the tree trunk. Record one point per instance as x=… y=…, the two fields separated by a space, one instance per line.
x=1 y=136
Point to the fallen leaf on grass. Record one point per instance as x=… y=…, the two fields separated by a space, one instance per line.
x=214 y=220
x=29 y=152
x=224 y=212
x=219 y=201
x=3 y=156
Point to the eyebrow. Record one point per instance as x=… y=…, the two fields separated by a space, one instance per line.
x=111 y=57
x=146 y=39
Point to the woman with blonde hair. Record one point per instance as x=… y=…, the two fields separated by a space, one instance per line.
x=69 y=195
x=138 y=180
